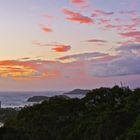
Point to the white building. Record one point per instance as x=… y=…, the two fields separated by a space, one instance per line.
x=1 y=124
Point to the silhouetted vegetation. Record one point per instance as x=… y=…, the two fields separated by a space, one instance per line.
x=104 y=114
x=7 y=113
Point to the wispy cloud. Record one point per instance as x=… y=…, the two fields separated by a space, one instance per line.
x=46 y=29
x=130 y=13
x=104 y=21
x=48 y=17
x=38 y=43
x=136 y=20
x=76 y=17
x=83 y=56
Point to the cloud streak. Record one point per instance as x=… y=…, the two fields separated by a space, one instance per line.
x=99 y=12
x=83 y=56
x=79 y=2
x=96 y=41
x=129 y=48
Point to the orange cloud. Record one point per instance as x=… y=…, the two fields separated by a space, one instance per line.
x=16 y=71
x=62 y=48
x=28 y=70
x=77 y=17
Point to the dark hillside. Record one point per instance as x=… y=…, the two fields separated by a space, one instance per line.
x=104 y=114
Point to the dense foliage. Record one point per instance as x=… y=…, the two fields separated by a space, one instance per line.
x=104 y=114
x=7 y=113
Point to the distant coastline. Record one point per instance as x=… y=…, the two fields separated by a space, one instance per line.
x=20 y=99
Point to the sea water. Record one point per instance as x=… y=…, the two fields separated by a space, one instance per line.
x=19 y=99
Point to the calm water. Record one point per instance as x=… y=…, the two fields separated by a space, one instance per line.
x=19 y=99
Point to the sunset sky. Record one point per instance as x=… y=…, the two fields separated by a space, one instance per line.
x=67 y=44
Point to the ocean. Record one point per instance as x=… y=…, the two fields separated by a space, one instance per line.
x=19 y=99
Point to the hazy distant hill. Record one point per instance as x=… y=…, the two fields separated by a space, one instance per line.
x=78 y=91
x=37 y=98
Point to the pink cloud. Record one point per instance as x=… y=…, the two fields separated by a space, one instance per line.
x=77 y=17
x=131 y=34
x=110 y=26
x=137 y=39
x=135 y=36
x=62 y=48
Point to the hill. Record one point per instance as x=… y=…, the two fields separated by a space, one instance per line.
x=78 y=91
x=37 y=98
